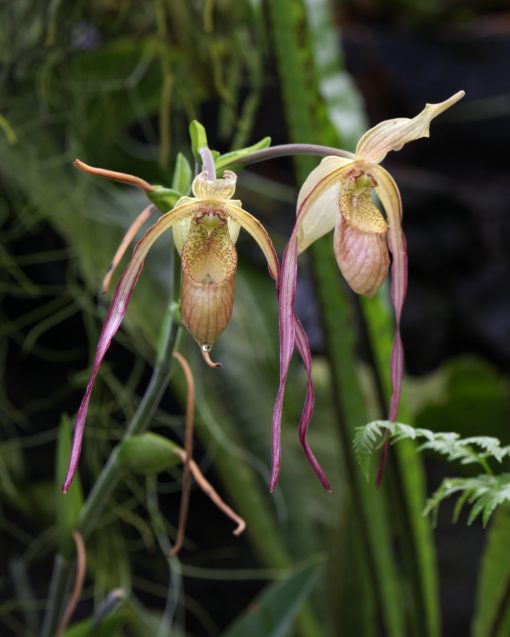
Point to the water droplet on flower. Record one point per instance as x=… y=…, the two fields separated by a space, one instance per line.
x=206 y=347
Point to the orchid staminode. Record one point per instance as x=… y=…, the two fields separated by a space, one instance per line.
x=339 y=195
x=205 y=229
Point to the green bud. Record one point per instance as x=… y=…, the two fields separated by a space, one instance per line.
x=148 y=453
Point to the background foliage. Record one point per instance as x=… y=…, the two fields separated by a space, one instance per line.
x=116 y=83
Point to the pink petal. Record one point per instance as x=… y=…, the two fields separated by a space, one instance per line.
x=112 y=323
x=292 y=333
x=389 y=195
x=304 y=350
x=286 y=294
x=115 y=316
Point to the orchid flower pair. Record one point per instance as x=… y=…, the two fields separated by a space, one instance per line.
x=337 y=195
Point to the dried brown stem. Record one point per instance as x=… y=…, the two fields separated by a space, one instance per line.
x=81 y=564
x=188 y=445
x=124 y=178
x=124 y=244
x=211 y=492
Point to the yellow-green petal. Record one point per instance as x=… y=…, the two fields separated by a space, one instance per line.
x=258 y=232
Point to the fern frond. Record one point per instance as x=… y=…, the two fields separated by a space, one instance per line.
x=484 y=493
x=366 y=439
x=475 y=449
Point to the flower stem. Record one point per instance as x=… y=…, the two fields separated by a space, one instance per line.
x=287 y=150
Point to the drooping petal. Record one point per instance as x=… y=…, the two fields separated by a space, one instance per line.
x=257 y=231
x=291 y=333
x=287 y=324
x=304 y=350
x=114 y=318
x=290 y=330
x=124 y=244
x=389 y=195
x=319 y=194
x=393 y=134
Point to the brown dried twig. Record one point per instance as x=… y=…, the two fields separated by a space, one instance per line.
x=124 y=178
x=81 y=565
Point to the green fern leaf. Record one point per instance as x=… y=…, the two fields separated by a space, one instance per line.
x=484 y=493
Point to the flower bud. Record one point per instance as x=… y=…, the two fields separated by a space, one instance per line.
x=209 y=264
x=360 y=237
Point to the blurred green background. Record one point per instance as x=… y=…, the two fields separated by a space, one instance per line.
x=116 y=83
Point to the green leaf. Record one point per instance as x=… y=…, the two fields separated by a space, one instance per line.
x=8 y=130
x=68 y=506
x=273 y=613
x=494 y=581
x=337 y=90
x=475 y=449
x=484 y=493
x=181 y=181
x=148 y=453
x=110 y=627
x=164 y=198
x=230 y=159
x=198 y=138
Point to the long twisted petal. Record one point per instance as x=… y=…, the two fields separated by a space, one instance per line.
x=287 y=326
x=124 y=245
x=114 y=318
x=292 y=333
x=304 y=350
x=389 y=195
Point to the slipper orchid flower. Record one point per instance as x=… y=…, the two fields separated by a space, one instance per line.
x=339 y=195
x=205 y=229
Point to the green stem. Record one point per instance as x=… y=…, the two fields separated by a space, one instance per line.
x=486 y=466
x=59 y=577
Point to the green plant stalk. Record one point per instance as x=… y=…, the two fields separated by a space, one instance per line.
x=368 y=504
x=58 y=587
x=407 y=478
x=112 y=472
